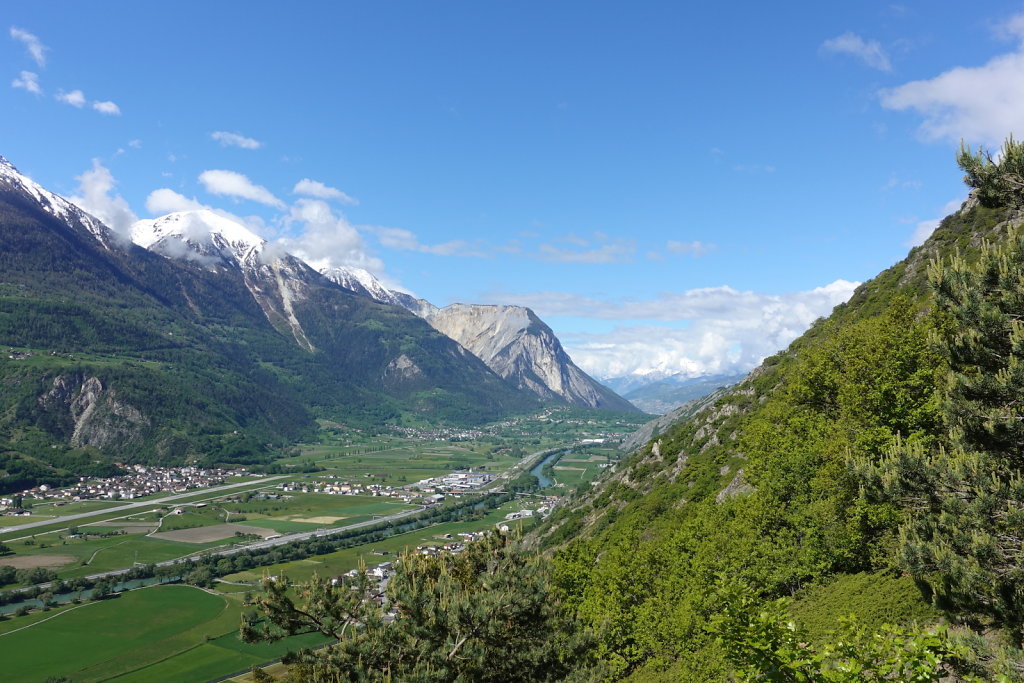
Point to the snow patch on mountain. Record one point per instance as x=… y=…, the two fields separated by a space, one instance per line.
x=275 y=279
x=53 y=204
x=201 y=236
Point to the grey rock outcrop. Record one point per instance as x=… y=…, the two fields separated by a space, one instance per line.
x=521 y=348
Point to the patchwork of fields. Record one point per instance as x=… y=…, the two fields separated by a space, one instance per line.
x=182 y=633
x=162 y=633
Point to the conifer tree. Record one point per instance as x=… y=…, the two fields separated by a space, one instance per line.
x=964 y=532
x=998 y=181
x=483 y=615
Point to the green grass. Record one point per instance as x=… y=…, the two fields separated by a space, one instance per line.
x=190 y=520
x=873 y=598
x=99 y=633
x=164 y=633
x=342 y=561
x=315 y=505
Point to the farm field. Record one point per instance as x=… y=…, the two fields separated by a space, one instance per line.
x=394 y=461
x=342 y=561
x=153 y=634
x=104 y=513
x=180 y=535
x=576 y=468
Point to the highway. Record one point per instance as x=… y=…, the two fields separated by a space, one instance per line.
x=258 y=545
x=148 y=502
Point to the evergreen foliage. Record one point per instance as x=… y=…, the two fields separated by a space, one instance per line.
x=964 y=531
x=482 y=615
x=999 y=182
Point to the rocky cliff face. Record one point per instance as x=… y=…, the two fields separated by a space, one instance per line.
x=511 y=340
x=91 y=413
x=519 y=347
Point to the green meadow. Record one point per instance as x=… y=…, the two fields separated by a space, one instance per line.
x=162 y=633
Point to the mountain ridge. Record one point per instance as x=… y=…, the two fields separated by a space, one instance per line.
x=511 y=340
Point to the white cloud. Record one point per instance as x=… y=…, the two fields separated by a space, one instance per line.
x=726 y=330
x=606 y=253
x=227 y=139
x=76 y=98
x=326 y=240
x=28 y=81
x=32 y=44
x=136 y=144
x=234 y=184
x=166 y=200
x=108 y=108
x=314 y=188
x=696 y=249
x=1011 y=29
x=868 y=51
x=96 y=196
x=924 y=229
x=406 y=240
x=979 y=104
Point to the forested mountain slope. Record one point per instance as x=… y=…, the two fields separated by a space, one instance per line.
x=794 y=482
x=121 y=353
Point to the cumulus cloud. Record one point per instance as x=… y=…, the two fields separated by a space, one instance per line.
x=76 y=98
x=227 y=139
x=708 y=330
x=325 y=239
x=28 y=81
x=32 y=44
x=234 y=184
x=980 y=103
x=108 y=108
x=96 y=195
x=868 y=51
x=314 y=188
x=166 y=200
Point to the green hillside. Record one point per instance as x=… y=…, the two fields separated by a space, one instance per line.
x=121 y=354
x=838 y=458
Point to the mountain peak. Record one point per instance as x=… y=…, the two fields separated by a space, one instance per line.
x=200 y=235
x=55 y=205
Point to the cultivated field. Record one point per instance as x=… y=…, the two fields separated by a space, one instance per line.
x=344 y=560
x=162 y=633
x=208 y=534
x=33 y=561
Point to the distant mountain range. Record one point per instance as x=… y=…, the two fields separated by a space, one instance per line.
x=659 y=393
x=198 y=340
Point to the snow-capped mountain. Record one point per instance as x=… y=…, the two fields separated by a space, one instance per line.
x=362 y=281
x=205 y=331
x=276 y=280
x=55 y=205
x=202 y=236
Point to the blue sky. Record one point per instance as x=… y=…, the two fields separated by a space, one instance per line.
x=671 y=187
